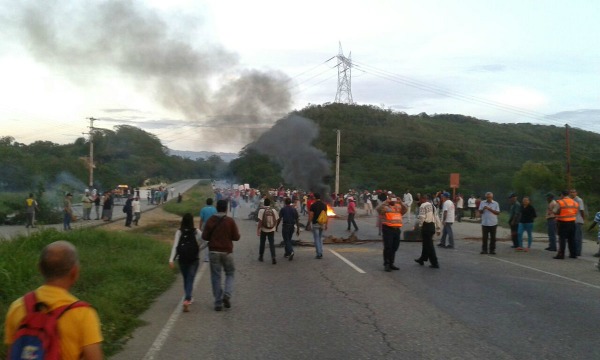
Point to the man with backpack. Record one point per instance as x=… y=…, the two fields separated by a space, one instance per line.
x=317 y=221
x=76 y=333
x=267 y=221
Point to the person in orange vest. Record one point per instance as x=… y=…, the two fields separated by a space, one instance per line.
x=391 y=212
x=566 y=212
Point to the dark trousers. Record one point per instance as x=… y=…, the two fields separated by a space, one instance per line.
x=351 y=221
x=128 y=218
x=428 y=250
x=287 y=231
x=566 y=234
x=263 y=237
x=514 y=234
x=488 y=232
x=391 y=243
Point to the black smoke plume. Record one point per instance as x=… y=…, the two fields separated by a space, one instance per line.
x=289 y=142
x=171 y=60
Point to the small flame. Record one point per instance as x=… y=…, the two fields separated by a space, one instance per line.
x=330 y=211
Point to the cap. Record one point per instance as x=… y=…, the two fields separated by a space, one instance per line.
x=69 y=194
x=550 y=195
x=512 y=195
x=350 y=198
x=565 y=192
x=393 y=199
x=446 y=194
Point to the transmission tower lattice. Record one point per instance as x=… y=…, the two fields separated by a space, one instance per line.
x=344 y=87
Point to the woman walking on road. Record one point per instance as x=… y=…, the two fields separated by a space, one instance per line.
x=186 y=248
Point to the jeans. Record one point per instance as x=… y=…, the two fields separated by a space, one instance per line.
x=287 y=231
x=578 y=238
x=391 y=243
x=522 y=228
x=317 y=231
x=447 y=232
x=221 y=262
x=263 y=237
x=488 y=232
x=551 y=233
x=351 y=221
x=188 y=271
x=128 y=218
x=66 y=220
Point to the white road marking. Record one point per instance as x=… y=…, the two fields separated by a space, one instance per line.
x=161 y=338
x=547 y=273
x=348 y=262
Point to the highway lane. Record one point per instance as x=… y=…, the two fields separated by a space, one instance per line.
x=513 y=306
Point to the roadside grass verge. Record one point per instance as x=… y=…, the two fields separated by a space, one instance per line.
x=121 y=273
x=193 y=200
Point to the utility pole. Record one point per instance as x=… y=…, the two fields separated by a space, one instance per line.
x=344 y=87
x=337 y=164
x=568 y=156
x=91 y=159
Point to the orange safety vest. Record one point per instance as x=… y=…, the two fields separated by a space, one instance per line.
x=392 y=216
x=568 y=209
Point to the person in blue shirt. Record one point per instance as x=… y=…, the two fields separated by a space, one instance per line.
x=205 y=214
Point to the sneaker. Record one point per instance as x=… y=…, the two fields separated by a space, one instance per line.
x=492 y=253
x=483 y=252
x=273 y=261
x=218 y=307
x=554 y=249
x=387 y=268
x=186 y=306
x=291 y=257
x=449 y=247
x=519 y=249
x=226 y=302
x=260 y=258
x=393 y=267
x=319 y=257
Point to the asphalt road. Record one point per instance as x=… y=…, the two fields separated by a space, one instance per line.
x=10 y=231
x=344 y=306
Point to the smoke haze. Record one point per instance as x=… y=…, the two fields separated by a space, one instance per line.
x=289 y=142
x=83 y=39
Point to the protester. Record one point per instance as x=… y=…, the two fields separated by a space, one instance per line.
x=314 y=212
x=429 y=224
x=220 y=231
x=579 y=221
x=205 y=214
x=67 y=212
x=87 y=202
x=31 y=207
x=448 y=212
x=527 y=216
x=137 y=210
x=471 y=204
x=489 y=210
x=514 y=214
x=79 y=326
x=186 y=249
x=267 y=221
x=408 y=200
x=289 y=216
x=551 y=222
x=351 y=213
x=128 y=210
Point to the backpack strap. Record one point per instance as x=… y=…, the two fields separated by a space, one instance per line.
x=216 y=225
x=32 y=305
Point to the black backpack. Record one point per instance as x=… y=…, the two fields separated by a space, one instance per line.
x=187 y=248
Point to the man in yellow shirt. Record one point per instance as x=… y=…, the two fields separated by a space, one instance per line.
x=78 y=328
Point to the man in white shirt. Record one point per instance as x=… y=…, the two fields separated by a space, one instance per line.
x=447 y=221
x=408 y=200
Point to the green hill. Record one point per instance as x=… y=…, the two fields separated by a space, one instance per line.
x=382 y=149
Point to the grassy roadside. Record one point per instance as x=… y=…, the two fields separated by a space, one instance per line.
x=122 y=271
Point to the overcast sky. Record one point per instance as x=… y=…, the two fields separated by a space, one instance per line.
x=212 y=75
